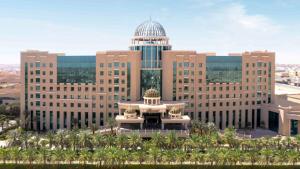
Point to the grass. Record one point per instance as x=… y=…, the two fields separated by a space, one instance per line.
x=76 y=166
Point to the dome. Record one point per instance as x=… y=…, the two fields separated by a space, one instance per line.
x=150 y=28
x=151 y=93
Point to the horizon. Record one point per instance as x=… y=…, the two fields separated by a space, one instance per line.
x=77 y=27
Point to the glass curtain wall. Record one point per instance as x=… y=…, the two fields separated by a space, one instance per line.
x=223 y=69
x=76 y=69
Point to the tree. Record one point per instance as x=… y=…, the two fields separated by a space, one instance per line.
x=169 y=156
x=171 y=140
x=44 y=155
x=85 y=156
x=70 y=156
x=58 y=156
x=252 y=156
x=122 y=140
x=60 y=138
x=134 y=141
x=293 y=156
x=15 y=154
x=111 y=122
x=195 y=156
x=4 y=155
x=50 y=137
x=99 y=155
x=157 y=139
x=85 y=140
x=181 y=156
x=267 y=155
x=29 y=155
x=140 y=156
x=230 y=136
x=154 y=154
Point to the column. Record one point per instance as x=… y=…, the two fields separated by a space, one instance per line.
x=223 y=119
x=243 y=118
x=230 y=118
x=68 y=120
x=237 y=112
x=141 y=125
x=250 y=117
x=217 y=119
x=162 y=126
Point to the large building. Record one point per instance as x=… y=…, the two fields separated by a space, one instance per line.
x=62 y=92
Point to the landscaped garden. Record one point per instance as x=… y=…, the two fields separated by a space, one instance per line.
x=205 y=147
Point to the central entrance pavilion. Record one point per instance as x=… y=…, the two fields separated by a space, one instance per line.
x=152 y=115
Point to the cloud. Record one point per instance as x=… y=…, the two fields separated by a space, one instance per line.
x=229 y=28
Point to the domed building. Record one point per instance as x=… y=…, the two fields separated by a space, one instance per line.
x=149 y=88
x=150 y=38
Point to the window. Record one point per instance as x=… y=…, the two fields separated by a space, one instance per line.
x=223 y=69
x=76 y=69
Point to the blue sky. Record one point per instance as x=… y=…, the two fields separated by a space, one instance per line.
x=86 y=26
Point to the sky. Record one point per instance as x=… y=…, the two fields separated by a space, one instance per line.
x=78 y=27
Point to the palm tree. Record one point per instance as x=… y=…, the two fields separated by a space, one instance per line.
x=171 y=140
x=60 y=138
x=252 y=156
x=122 y=140
x=181 y=156
x=99 y=155
x=85 y=156
x=230 y=136
x=98 y=141
x=70 y=156
x=50 y=137
x=85 y=140
x=74 y=139
x=157 y=139
x=110 y=140
x=25 y=135
x=195 y=156
x=169 y=156
x=134 y=141
x=15 y=154
x=58 y=156
x=4 y=155
x=111 y=122
x=44 y=154
x=267 y=155
x=154 y=154
x=29 y=155
x=293 y=156
x=140 y=156
x=211 y=156
x=112 y=155
x=123 y=156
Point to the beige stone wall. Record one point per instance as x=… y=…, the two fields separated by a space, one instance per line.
x=203 y=100
x=66 y=99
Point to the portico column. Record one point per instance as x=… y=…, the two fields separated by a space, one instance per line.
x=162 y=126
x=217 y=123
x=141 y=125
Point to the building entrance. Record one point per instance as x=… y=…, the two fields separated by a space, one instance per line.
x=152 y=121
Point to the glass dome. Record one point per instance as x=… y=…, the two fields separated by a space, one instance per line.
x=151 y=29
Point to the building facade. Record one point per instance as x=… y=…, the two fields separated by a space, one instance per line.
x=63 y=92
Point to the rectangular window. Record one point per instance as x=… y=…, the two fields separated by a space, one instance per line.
x=76 y=69
x=223 y=69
